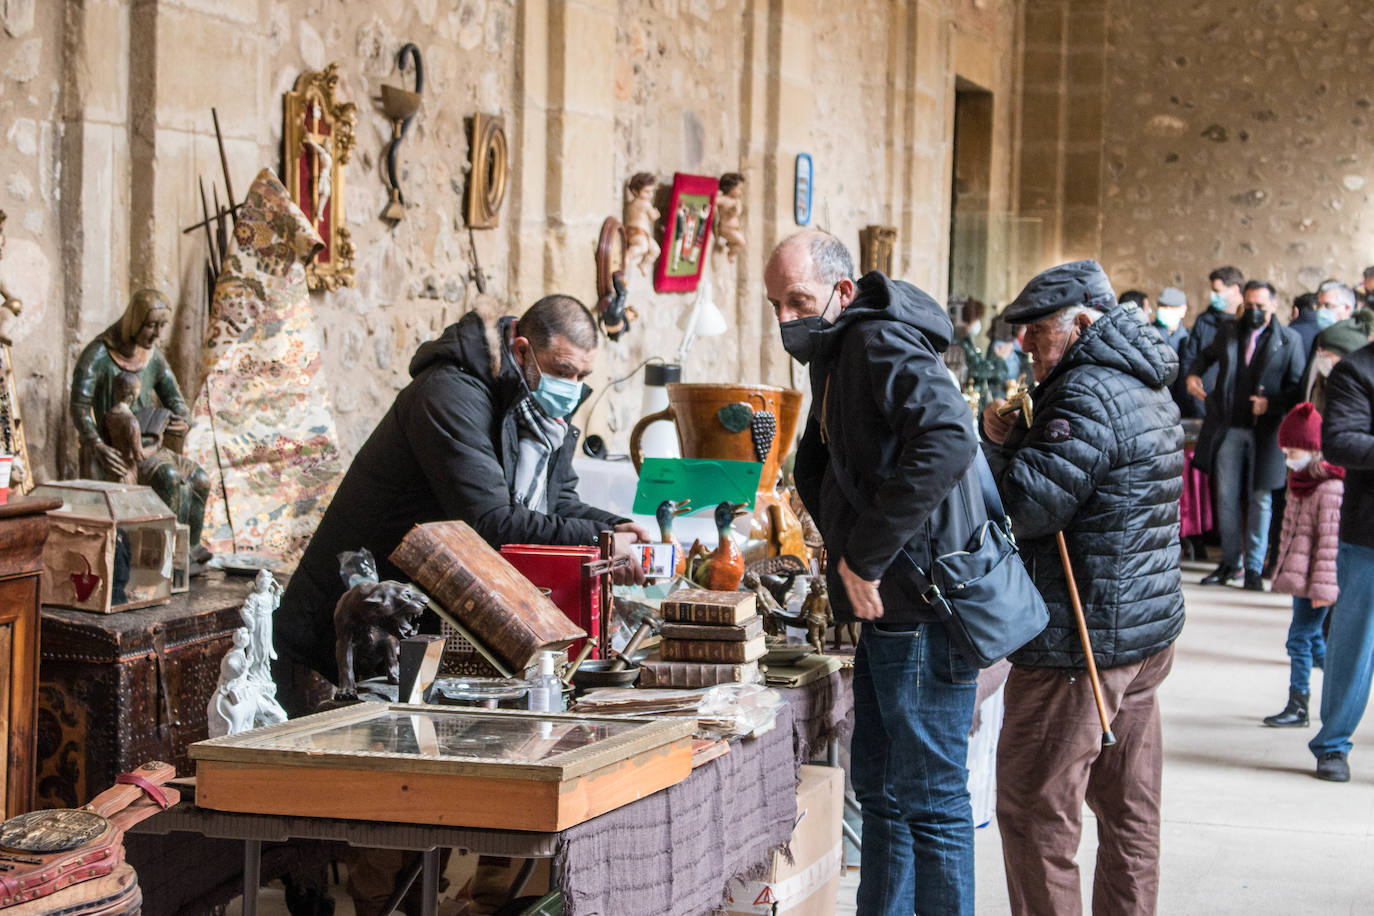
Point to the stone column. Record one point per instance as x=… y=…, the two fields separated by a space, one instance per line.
x=1044 y=110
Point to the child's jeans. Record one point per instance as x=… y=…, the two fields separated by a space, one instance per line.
x=1306 y=645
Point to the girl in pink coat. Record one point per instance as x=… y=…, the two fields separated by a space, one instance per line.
x=1306 y=566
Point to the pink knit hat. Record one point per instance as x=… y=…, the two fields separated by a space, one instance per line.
x=1302 y=428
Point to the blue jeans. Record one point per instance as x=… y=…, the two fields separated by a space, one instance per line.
x=913 y=707
x=1350 y=651
x=1306 y=646
x=1233 y=475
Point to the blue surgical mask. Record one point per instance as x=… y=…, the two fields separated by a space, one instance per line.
x=1217 y=302
x=1325 y=318
x=556 y=397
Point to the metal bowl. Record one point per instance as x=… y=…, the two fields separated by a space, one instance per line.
x=595 y=672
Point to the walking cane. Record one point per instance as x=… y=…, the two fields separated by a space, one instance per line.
x=1023 y=403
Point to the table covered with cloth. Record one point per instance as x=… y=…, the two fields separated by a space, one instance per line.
x=674 y=852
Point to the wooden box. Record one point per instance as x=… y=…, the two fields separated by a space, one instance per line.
x=111 y=547
x=478 y=586
x=444 y=765
x=118 y=690
x=23 y=528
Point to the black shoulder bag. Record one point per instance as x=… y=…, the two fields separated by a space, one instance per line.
x=982 y=594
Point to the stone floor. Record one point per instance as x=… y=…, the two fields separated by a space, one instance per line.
x=1247 y=830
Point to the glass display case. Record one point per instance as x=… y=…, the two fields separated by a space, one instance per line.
x=444 y=765
x=111 y=546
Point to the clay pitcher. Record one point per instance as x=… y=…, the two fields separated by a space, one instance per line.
x=723 y=422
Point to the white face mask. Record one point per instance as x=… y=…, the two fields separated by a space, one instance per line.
x=1325 y=362
x=974 y=328
x=1299 y=461
x=1169 y=317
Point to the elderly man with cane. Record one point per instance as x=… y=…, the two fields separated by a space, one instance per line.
x=1091 y=481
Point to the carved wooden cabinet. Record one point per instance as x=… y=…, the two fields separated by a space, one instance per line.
x=23 y=530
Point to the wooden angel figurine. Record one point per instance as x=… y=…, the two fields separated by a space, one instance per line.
x=817 y=614
x=729 y=209
x=640 y=216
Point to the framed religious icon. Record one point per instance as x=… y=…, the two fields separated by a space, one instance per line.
x=802 y=190
x=317 y=141
x=447 y=765
x=686 y=230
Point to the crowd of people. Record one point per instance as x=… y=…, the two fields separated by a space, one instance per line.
x=1281 y=411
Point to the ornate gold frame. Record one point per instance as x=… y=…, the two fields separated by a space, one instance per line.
x=875 y=248
x=490 y=160
x=318 y=125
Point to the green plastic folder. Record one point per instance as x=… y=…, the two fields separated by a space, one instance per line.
x=706 y=483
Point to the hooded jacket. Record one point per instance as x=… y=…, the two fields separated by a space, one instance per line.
x=445 y=450
x=1348 y=440
x=1102 y=462
x=1277 y=366
x=886 y=413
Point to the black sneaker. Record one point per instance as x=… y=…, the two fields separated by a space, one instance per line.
x=1254 y=582
x=1221 y=575
x=1333 y=767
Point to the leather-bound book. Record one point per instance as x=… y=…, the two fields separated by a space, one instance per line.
x=714 y=650
x=474 y=583
x=701 y=605
x=742 y=632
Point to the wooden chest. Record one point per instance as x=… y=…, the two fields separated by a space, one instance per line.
x=23 y=529
x=119 y=690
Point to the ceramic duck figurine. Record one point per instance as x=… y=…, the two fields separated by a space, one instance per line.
x=722 y=569
x=666 y=512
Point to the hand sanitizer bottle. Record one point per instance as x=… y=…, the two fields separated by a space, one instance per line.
x=547 y=693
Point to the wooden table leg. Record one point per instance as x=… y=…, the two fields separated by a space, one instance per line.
x=429 y=900
x=252 y=875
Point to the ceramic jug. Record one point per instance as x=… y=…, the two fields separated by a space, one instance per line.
x=728 y=422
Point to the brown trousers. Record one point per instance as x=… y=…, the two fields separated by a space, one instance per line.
x=1050 y=759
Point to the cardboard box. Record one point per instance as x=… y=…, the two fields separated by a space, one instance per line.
x=809 y=886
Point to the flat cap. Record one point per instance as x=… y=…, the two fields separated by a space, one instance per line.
x=1075 y=283
x=1172 y=295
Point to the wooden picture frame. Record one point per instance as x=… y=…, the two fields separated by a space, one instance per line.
x=452 y=766
x=686 y=233
x=490 y=161
x=317 y=142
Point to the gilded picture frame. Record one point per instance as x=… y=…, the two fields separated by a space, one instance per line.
x=317 y=142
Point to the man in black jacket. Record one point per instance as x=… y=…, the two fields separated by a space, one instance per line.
x=1102 y=462
x=1259 y=366
x=888 y=439
x=1224 y=302
x=481 y=435
x=1348 y=441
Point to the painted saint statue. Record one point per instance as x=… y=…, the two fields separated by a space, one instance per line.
x=101 y=383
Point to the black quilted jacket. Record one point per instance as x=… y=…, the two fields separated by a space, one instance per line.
x=1103 y=462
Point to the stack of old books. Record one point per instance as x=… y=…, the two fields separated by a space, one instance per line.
x=709 y=638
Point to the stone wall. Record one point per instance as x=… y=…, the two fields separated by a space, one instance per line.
x=1238 y=133
x=106 y=110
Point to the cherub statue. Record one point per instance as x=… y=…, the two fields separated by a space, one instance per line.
x=816 y=612
x=640 y=216
x=130 y=345
x=374 y=613
x=729 y=209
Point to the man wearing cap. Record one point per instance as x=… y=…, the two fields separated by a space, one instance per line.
x=1168 y=320
x=1329 y=348
x=1364 y=293
x=1101 y=461
x=1259 y=366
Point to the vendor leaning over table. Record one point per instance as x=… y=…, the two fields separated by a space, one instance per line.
x=481 y=434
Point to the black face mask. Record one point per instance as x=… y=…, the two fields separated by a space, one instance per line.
x=1253 y=318
x=799 y=335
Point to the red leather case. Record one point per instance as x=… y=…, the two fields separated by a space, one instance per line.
x=562 y=570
